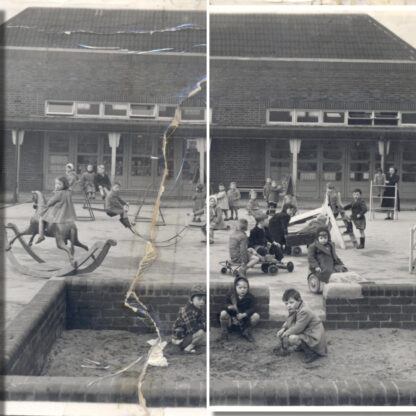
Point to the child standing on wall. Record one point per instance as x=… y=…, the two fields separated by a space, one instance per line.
x=87 y=182
x=114 y=205
x=222 y=201
x=233 y=195
x=240 y=310
x=199 y=199
x=189 y=329
x=358 y=209
x=59 y=209
x=302 y=331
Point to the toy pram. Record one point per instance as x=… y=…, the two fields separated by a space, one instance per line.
x=297 y=239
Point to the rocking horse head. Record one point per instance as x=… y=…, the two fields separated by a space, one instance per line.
x=38 y=200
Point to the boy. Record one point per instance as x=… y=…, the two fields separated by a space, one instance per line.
x=189 y=329
x=303 y=330
x=240 y=310
x=114 y=205
x=322 y=258
x=239 y=251
x=102 y=181
x=278 y=225
x=233 y=195
x=358 y=209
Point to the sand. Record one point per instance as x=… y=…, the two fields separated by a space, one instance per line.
x=118 y=348
x=379 y=353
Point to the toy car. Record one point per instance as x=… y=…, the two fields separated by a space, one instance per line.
x=295 y=240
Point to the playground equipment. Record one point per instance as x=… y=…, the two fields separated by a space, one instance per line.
x=270 y=265
x=379 y=197
x=316 y=285
x=412 y=255
x=86 y=263
x=89 y=208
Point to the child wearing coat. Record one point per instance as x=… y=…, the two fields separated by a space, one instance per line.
x=102 y=181
x=114 y=205
x=274 y=196
x=189 y=329
x=379 y=181
x=322 y=257
x=303 y=329
x=358 y=209
x=71 y=175
x=59 y=209
x=233 y=195
x=87 y=182
x=266 y=189
x=222 y=201
x=253 y=207
x=199 y=198
x=278 y=224
x=240 y=310
x=215 y=215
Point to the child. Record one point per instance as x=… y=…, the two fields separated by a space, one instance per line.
x=259 y=238
x=199 y=198
x=222 y=201
x=253 y=207
x=215 y=215
x=238 y=248
x=303 y=330
x=233 y=196
x=189 y=329
x=358 y=209
x=266 y=189
x=274 y=196
x=209 y=213
x=278 y=225
x=322 y=258
x=114 y=205
x=102 y=181
x=379 y=181
x=71 y=175
x=87 y=182
x=240 y=310
x=59 y=209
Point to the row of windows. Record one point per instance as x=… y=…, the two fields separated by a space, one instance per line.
x=123 y=110
x=348 y=118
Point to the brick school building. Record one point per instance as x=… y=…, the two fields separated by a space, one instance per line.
x=320 y=97
x=96 y=87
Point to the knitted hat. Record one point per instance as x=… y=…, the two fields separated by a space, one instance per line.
x=198 y=290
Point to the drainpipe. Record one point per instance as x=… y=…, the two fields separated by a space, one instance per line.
x=17 y=137
x=113 y=141
x=295 y=149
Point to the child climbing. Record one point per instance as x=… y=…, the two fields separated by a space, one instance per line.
x=199 y=198
x=59 y=209
x=358 y=209
x=114 y=205
x=302 y=331
x=189 y=329
x=240 y=310
x=87 y=182
x=233 y=195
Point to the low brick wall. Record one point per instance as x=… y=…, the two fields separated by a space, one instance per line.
x=29 y=338
x=95 y=304
x=354 y=392
x=218 y=292
x=370 y=306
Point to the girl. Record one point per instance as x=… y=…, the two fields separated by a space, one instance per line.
x=59 y=209
x=222 y=201
x=392 y=179
x=233 y=196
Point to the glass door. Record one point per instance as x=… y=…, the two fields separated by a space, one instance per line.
x=308 y=175
x=332 y=166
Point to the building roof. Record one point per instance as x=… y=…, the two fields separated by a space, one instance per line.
x=332 y=36
x=241 y=91
x=70 y=27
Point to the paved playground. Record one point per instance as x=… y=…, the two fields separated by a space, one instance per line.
x=181 y=262
x=384 y=259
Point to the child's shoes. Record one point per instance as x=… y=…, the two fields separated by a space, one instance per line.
x=310 y=356
x=248 y=335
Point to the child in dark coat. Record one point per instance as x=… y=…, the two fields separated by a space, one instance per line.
x=266 y=189
x=358 y=209
x=322 y=257
x=102 y=181
x=303 y=329
x=278 y=224
x=240 y=310
x=114 y=205
x=189 y=329
x=274 y=196
x=233 y=195
x=88 y=182
x=199 y=199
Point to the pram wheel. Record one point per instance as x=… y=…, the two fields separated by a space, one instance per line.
x=265 y=267
x=273 y=269
x=223 y=270
x=296 y=251
x=236 y=273
x=314 y=284
x=287 y=250
x=290 y=266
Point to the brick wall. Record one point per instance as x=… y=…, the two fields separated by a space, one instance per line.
x=28 y=341
x=92 y=303
x=242 y=161
x=371 y=306
x=218 y=292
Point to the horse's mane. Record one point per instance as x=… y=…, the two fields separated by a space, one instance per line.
x=41 y=200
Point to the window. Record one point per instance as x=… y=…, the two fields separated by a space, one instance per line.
x=166 y=111
x=65 y=108
x=409 y=163
x=143 y=110
x=384 y=118
x=360 y=118
x=141 y=159
x=279 y=116
x=334 y=117
x=115 y=110
x=307 y=116
x=408 y=118
x=193 y=114
x=87 y=109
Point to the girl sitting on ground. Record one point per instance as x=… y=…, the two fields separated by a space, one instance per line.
x=322 y=257
x=240 y=310
x=302 y=331
x=59 y=209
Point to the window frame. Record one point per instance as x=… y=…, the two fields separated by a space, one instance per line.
x=104 y=103
x=100 y=112
x=196 y=121
x=54 y=113
x=158 y=117
x=406 y=124
x=281 y=123
x=146 y=117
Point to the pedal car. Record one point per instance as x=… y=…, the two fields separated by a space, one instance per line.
x=295 y=240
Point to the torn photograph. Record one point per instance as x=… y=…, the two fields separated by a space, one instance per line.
x=312 y=207
x=103 y=204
